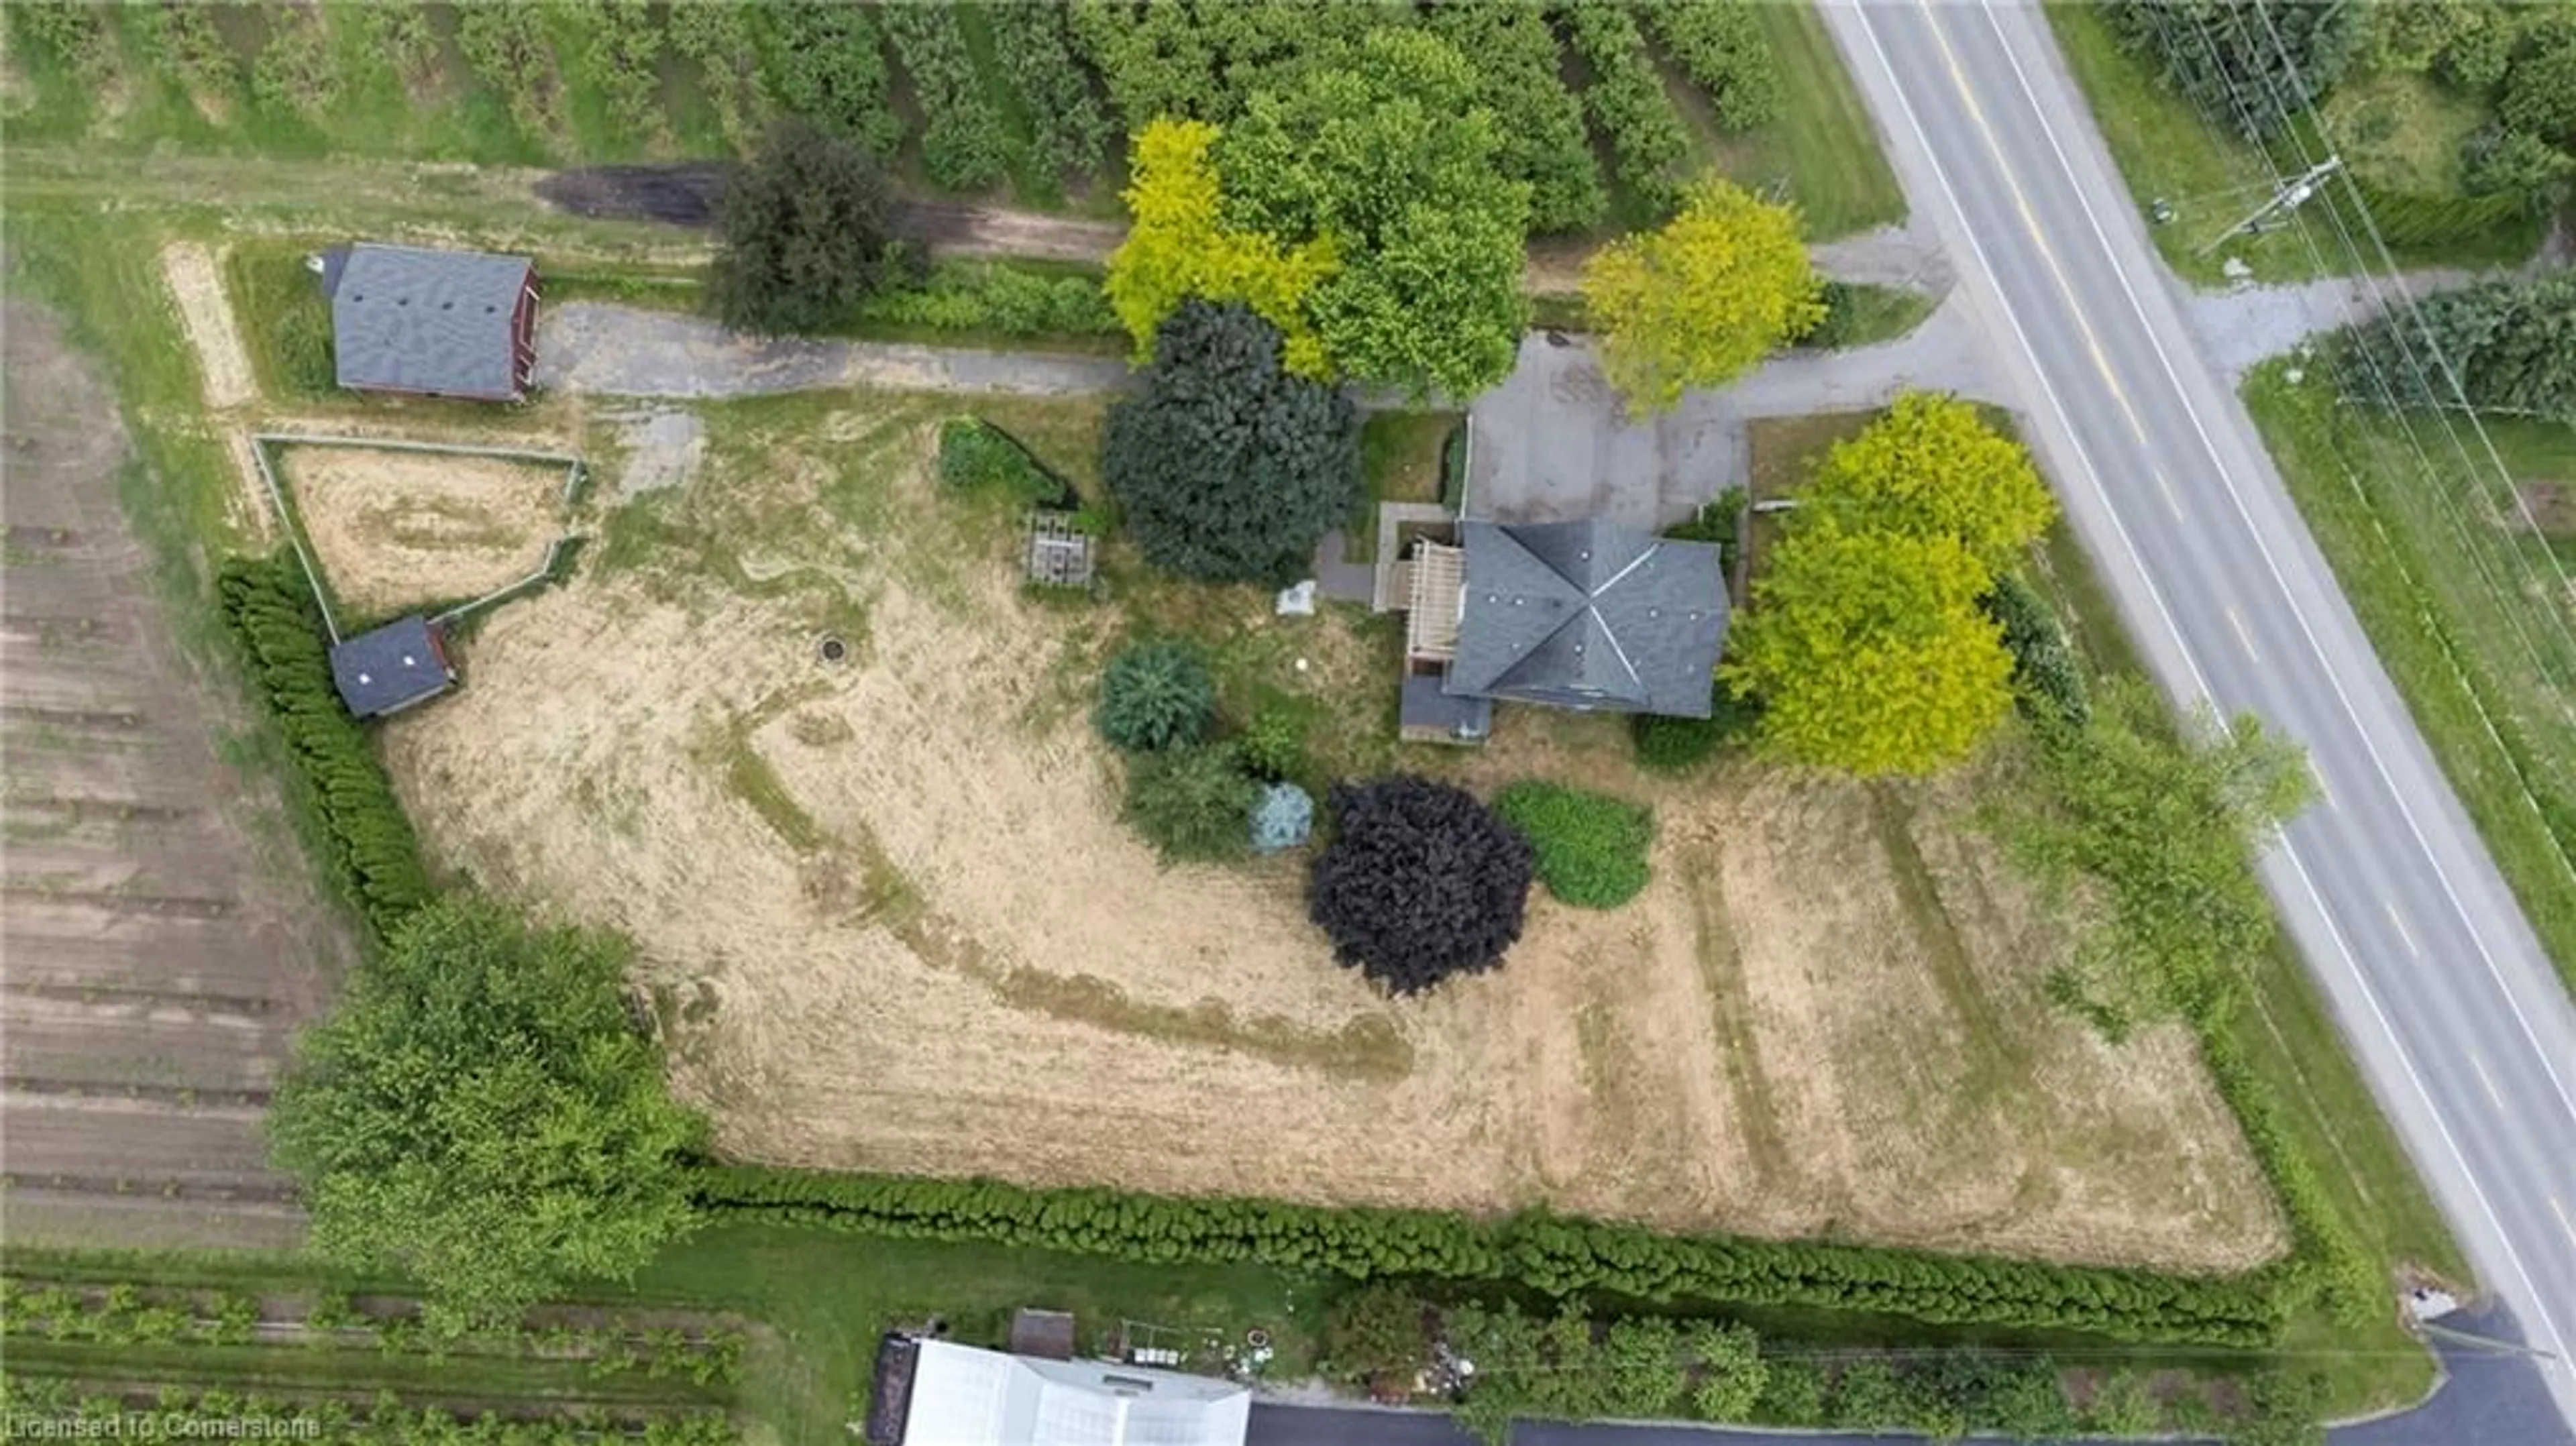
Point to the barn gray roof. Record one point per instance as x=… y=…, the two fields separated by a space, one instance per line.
x=391 y=668
x=416 y=320
x=1589 y=615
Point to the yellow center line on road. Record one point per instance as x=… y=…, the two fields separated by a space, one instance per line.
x=2164 y=484
x=2563 y=1222
x=2404 y=934
x=2039 y=238
x=2244 y=634
x=2486 y=1079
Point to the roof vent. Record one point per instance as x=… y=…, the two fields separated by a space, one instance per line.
x=365 y=678
x=410 y=662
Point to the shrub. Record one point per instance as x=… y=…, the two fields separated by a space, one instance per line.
x=963 y=147
x=826 y=66
x=2496 y=162
x=507 y=47
x=294 y=74
x=369 y=851
x=1678 y=745
x=1721 y=45
x=1627 y=99
x=984 y=296
x=1154 y=696
x=1284 y=819
x=1036 y=55
x=1419 y=883
x=2540 y=91
x=1193 y=804
x=722 y=36
x=182 y=39
x=1590 y=847
x=1377 y=1334
x=1274 y=744
x=625 y=48
x=74 y=32
x=975 y=455
x=2045 y=672
x=803 y=236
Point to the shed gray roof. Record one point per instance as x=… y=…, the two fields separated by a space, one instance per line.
x=1589 y=615
x=416 y=320
x=391 y=668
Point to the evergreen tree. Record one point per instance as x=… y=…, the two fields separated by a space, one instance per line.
x=1230 y=467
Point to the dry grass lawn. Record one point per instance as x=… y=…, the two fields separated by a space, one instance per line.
x=398 y=529
x=893 y=922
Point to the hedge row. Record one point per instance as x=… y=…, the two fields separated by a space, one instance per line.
x=1556 y=1255
x=369 y=849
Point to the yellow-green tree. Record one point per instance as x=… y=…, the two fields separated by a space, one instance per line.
x=1869 y=651
x=1179 y=247
x=1932 y=467
x=1702 y=300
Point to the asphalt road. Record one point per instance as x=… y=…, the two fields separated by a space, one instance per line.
x=2437 y=980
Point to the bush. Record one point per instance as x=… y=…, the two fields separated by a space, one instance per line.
x=963 y=147
x=2046 y=675
x=975 y=455
x=1377 y=1335
x=1419 y=883
x=986 y=296
x=1036 y=54
x=1721 y=45
x=803 y=234
x=1155 y=696
x=1284 y=819
x=1274 y=745
x=1678 y=745
x=1590 y=847
x=2498 y=162
x=369 y=851
x=1193 y=804
x=1627 y=99
x=825 y=65
x=508 y=49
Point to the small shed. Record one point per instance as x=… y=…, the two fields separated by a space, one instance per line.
x=392 y=668
x=434 y=322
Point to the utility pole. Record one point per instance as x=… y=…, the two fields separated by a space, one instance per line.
x=2290 y=197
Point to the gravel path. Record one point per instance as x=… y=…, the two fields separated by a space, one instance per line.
x=605 y=349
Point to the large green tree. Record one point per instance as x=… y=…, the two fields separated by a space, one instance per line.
x=1869 y=651
x=1703 y=299
x=1387 y=153
x=481 y=1115
x=1933 y=467
x=1229 y=467
x=803 y=234
x=2163 y=821
x=2511 y=345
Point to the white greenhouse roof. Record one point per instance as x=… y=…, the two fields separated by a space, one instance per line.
x=962 y=1396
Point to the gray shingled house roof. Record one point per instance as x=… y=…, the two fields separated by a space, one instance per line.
x=391 y=668
x=1588 y=615
x=413 y=320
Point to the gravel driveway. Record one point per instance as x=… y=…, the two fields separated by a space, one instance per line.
x=605 y=349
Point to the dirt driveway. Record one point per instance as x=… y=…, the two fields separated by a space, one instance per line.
x=163 y=937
